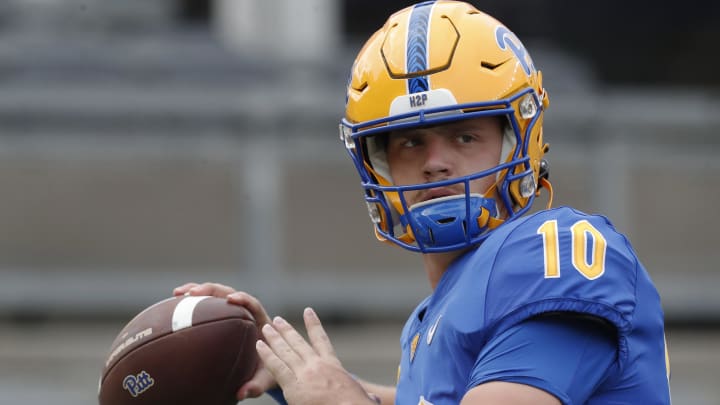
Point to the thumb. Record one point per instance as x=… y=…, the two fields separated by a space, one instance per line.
x=256 y=386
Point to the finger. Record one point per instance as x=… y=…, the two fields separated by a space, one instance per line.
x=293 y=338
x=280 y=347
x=257 y=385
x=274 y=364
x=252 y=304
x=182 y=289
x=317 y=335
x=212 y=289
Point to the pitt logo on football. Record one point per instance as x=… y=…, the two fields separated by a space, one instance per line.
x=137 y=384
x=418 y=100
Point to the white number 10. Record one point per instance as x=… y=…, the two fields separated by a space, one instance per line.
x=585 y=239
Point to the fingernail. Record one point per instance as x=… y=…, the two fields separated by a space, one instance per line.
x=310 y=311
x=279 y=321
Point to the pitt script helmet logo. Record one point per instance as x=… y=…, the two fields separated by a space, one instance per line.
x=506 y=39
x=137 y=384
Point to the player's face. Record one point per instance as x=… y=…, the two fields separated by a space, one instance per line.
x=425 y=155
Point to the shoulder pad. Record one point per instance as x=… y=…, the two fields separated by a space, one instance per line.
x=561 y=260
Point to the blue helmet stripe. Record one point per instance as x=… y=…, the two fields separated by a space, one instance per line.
x=416 y=59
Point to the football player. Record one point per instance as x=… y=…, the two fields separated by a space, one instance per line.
x=443 y=122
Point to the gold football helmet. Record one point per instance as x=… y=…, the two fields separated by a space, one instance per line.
x=432 y=63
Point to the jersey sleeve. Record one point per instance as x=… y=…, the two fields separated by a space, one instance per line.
x=562 y=260
x=567 y=357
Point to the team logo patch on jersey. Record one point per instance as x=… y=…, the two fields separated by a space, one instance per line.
x=413 y=345
x=424 y=401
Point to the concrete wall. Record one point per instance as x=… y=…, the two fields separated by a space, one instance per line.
x=137 y=153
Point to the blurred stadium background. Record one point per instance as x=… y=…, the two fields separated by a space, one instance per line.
x=144 y=144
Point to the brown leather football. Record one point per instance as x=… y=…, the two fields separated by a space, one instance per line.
x=187 y=350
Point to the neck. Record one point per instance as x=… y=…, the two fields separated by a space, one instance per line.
x=436 y=264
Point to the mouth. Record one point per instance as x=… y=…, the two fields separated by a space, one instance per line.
x=432 y=201
x=438 y=192
x=435 y=193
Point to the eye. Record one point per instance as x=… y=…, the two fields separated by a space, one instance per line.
x=465 y=138
x=405 y=141
x=411 y=142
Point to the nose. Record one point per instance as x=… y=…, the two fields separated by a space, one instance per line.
x=438 y=159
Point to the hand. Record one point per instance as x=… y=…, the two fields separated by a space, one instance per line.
x=262 y=380
x=309 y=373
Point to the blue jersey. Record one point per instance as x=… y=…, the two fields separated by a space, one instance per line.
x=555 y=261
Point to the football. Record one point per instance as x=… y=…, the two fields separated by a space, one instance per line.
x=184 y=350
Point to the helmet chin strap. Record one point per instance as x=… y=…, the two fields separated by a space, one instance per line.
x=445 y=218
x=446 y=221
